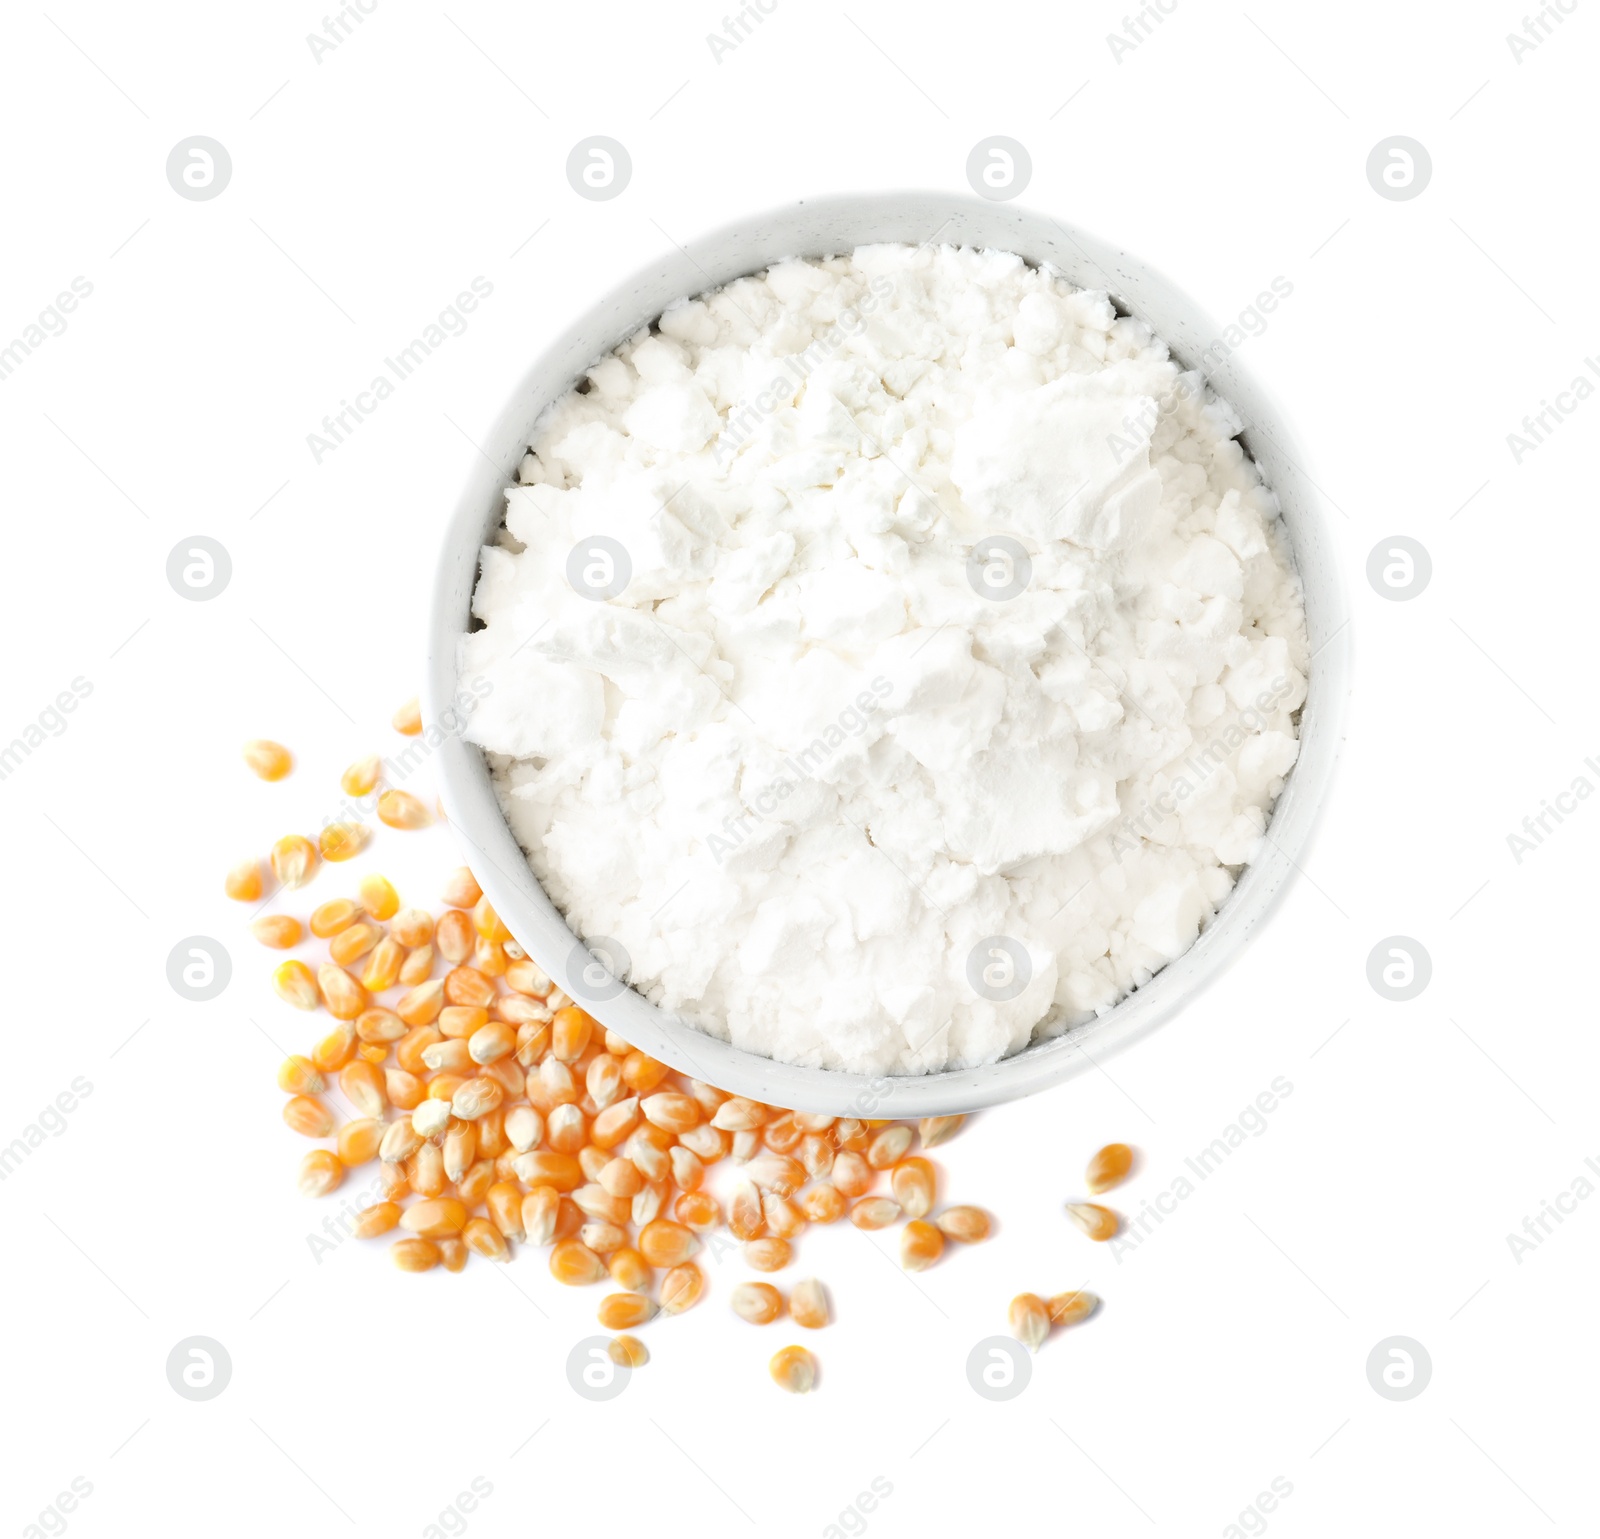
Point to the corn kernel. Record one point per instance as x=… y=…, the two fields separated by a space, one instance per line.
x=269 y=760
x=967 y=1224
x=627 y=1352
x=415 y=1255
x=343 y=841
x=294 y=860
x=294 y=982
x=297 y=1075
x=307 y=1116
x=1108 y=1168
x=920 y=1245
x=912 y=1182
x=793 y=1369
x=380 y=1218
x=400 y=809
x=758 y=1302
x=1095 y=1221
x=358 y=1141
x=344 y=997
x=461 y=890
x=808 y=1304
x=333 y=916
x=320 y=1173
x=619 y=1311
x=768 y=1255
x=1029 y=1320
x=681 y=1288
x=1070 y=1308
x=243 y=881
x=408 y=719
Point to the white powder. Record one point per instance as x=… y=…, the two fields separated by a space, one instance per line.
x=811 y=755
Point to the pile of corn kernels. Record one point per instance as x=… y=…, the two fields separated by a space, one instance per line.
x=498 y=1113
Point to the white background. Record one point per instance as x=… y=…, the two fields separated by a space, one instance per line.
x=367 y=190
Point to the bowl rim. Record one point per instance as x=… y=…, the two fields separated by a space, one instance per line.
x=497 y=861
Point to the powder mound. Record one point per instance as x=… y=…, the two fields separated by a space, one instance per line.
x=896 y=655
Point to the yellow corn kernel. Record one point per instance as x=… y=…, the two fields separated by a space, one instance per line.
x=737 y=1114
x=415 y=1255
x=783 y=1218
x=425 y=1171
x=362 y=776
x=380 y=1218
x=1070 y=1308
x=681 y=1288
x=874 y=1213
x=768 y=1255
x=408 y=1051
x=343 y=841
x=920 y=1245
x=435 y=1218
x=1108 y=1168
x=775 y=1172
x=529 y=978
x=851 y=1174
x=294 y=982
x=473 y=1187
x=823 y=1204
x=405 y=1091
x=362 y=1085
x=383 y=966
x=378 y=896
x=487 y=923
x=615 y=1123
x=460 y=1149
x=421 y=1006
x=1096 y=1222
x=336 y=1049
x=664 y=1243
x=573 y=1263
x=935 y=1130
x=467 y=986
x=461 y=889
x=400 y=809
x=353 y=943
x=379 y=1025
x=482 y=1236
x=912 y=1182
x=373 y=1052
x=297 y=1075
x=320 y=1173
x=889 y=1146
x=307 y=1116
x=449 y=1057
x=699 y=1210
x=453 y=1253
x=412 y=927
x=967 y=1224
x=294 y=860
x=642 y=1073
x=417 y=967
x=758 y=1302
x=619 y=1311
x=358 y=1141
x=538 y=1213
x=627 y=1352
x=808 y=1304
x=544 y=1169
x=492 y=1140
x=399 y=1142
x=391 y=1182
x=564 y=1129
x=603 y=1239
x=671 y=1112
x=627 y=1267
x=408 y=719
x=271 y=761
x=344 y=997
x=243 y=881
x=454 y=936
x=333 y=916
x=570 y=1032
x=475 y=1097
x=280 y=931
x=620 y=1177
x=1029 y=1320
x=793 y=1369
x=746 y=1221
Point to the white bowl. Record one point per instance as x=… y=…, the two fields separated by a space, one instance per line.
x=816 y=227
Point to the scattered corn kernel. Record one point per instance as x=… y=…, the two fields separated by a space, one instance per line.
x=627 y=1352
x=1096 y=1222
x=243 y=881
x=308 y=1116
x=415 y=1255
x=298 y=1075
x=920 y=1245
x=408 y=719
x=461 y=890
x=269 y=760
x=380 y=1218
x=808 y=1304
x=362 y=776
x=294 y=860
x=758 y=1302
x=912 y=1182
x=343 y=841
x=333 y=916
x=874 y=1213
x=400 y=809
x=1108 y=1168
x=320 y=1173
x=619 y=1311
x=768 y=1255
x=967 y=1224
x=1070 y=1308
x=793 y=1369
x=681 y=1288
x=1029 y=1320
